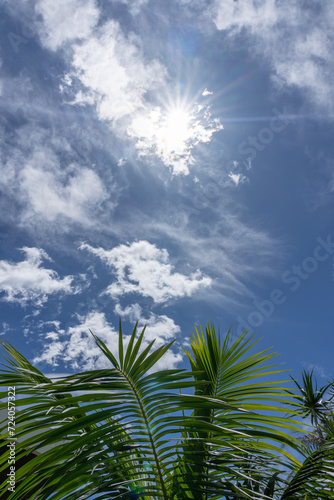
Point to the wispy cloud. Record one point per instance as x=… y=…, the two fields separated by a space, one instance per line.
x=295 y=38
x=4 y=328
x=144 y=269
x=28 y=281
x=321 y=371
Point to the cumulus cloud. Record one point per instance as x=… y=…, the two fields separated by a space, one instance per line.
x=76 y=347
x=294 y=37
x=28 y=281
x=155 y=324
x=113 y=72
x=66 y=20
x=144 y=269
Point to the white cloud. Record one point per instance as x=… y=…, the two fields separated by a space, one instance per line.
x=5 y=328
x=114 y=72
x=159 y=328
x=244 y=13
x=132 y=311
x=237 y=178
x=45 y=182
x=76 y=347
x=156 y=325
x=66 y=20
x=296 y=39
x=110 y=71
x=162 y=330
x=144 y=269
x=27 y=281
x=52 y=192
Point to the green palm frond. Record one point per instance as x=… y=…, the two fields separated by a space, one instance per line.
x=133 y=432
x=314 y=477
x=245 y=417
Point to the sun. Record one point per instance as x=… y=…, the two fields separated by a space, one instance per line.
x=175 y=129
x=171 y=130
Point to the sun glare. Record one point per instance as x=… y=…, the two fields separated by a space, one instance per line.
x=175 y=131
x=172 y=131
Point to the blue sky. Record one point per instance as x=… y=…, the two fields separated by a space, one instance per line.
x=171 y=163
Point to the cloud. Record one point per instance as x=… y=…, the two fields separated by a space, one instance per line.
x=66 y=20
x=237 y=178
x=38 y=185
x=162 y=330
x=318 y=370
x=112 y=71
x=251 y=14
x=295 y=38
x=144 y=269
x=133 y=311
x=5 y=328
x=159 y=328
x=45 y=160
x=76 y=348
x=72 y=192
x=155 y=324
x=27 y=281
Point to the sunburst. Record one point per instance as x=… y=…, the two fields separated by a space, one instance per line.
x=175 y=130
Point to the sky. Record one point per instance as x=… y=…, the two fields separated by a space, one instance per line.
x=169 y=163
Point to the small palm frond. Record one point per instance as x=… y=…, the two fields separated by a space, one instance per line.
x=315 y=477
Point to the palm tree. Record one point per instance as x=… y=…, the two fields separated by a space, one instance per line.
x=309 y=401
x=313 y=403
x=131 y=432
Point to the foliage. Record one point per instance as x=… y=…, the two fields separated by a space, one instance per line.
x=313 y=403
x=129 y=432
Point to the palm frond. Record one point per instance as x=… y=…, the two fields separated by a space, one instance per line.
x=131 y=432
